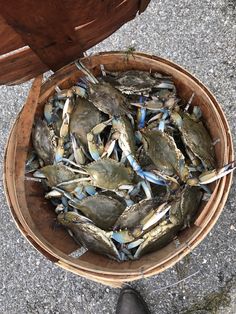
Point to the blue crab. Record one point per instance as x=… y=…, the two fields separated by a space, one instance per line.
x=196 y=138
x=101 y=209
x=162 y=150
x=43 y=141
x=103 y=95
x=87 y=234
x=181 y=213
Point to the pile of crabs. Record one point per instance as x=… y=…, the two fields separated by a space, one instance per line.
x=124 y=160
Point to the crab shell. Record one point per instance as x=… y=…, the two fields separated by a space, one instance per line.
x=135 y=81
x=185 y=205
x=88 y=235
x=162 y=150
x=102 y=210
x=42 y=141
x=198 y=140
x=84 y=117
x=108 y=99
x=109 y=174
x=56 y=174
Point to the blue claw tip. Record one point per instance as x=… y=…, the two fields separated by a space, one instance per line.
x=161 y=126
x=90 y=190
x=141 y=122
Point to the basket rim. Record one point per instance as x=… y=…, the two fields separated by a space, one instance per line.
x=185 y=249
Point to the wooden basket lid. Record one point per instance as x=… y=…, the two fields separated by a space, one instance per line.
x=37 y=36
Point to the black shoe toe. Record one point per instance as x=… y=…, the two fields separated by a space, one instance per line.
x=131 y=302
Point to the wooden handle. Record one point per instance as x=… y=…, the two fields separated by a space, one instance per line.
x=52 y=33
x=143 y=5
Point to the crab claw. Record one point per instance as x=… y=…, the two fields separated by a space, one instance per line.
x=48 y=112
x=134 y=244
x=53 y=194
x=175 y=116
x=78 y=151
x=122 y=236
x=157 y=216
x=68 y=108
x=64 y=130
x=93 y=147
x=149 y=176
x=95 y=144
x=59 y=152
x=162 y=123
x=39 y=174
x=79 y=91
x=141 y=114
x=78 y=192
x=212 y=175
x=108 y=149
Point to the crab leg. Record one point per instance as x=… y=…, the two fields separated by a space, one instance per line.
x=189 y=102
x=149 y=176
x=156 y=117
x=68 y=108
x=127 y=254
x=90 y=189
x=64 y=193
x=68 y=161
x=83 y=69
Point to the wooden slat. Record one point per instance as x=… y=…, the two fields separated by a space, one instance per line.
x=10 y=40
x=50 y=32
x=46 y=28
x=20 y=67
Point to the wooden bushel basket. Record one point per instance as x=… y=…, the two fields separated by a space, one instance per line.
x=34 y=215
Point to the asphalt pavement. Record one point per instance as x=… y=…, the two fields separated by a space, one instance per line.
x=201 y=37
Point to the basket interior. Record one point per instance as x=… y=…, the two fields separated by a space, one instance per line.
x=41 y=211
